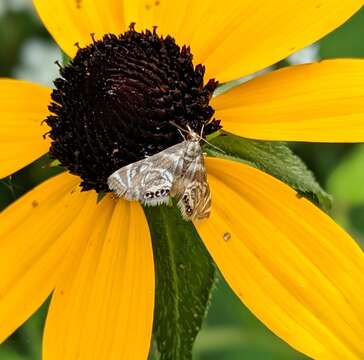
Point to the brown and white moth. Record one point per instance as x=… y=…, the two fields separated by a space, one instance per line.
x=178 y=171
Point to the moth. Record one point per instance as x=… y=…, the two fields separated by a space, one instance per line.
x=176 y=172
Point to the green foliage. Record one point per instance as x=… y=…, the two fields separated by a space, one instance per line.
x=25 y=343
x=15 y=28
x=100 y=196
x=347 y=41
x=231 y=332
x=65 y=59
x=346 y=185
x=347 y=181
x=184 y=278
x=27 y=178
x=274 y=158
x=8 y=353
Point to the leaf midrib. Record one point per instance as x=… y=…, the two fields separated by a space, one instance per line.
x=170 y=246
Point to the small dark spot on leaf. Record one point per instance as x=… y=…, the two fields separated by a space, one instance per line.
x=227 y=236
x=157 y=3
x=147 y=6
x=78 y=4
x=35 y=203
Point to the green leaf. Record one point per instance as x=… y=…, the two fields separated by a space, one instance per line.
x=65 y=59
x=185 y=276
x=346 y=181
x=9 y=354
x=346 y=41
x=26 y=342
x=274 y=158
x=100 y=196
x=232 y=332
x=32 y=330
x=55 y=163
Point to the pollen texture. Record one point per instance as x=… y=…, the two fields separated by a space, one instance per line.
x=114 y=102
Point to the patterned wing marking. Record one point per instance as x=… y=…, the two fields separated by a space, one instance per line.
x=178 y=171
x=194 y=192
x=195 y=203
x=149 y=180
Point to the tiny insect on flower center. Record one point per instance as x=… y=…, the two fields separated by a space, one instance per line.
x=114 y=103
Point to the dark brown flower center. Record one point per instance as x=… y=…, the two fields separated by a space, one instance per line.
x=114 y=103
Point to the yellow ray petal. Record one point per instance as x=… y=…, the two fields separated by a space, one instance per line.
x=103 y=305
x=33 y=245
x=295 y=269
x=235 y=38
x=71 y=21
x=23 y=107
x=322 y=102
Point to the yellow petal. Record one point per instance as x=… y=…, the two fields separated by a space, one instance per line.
x=103 y=305
x=235 y=38
x=71 y=21
x=23 y=107
x=322 y=102
x=294 y=268
x=33 y=245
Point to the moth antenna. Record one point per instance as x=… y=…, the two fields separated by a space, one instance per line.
x=212 y=145
x=202 y=129
x=207 y=142
x=179 y=127
x=184 y=137
x=200 y=136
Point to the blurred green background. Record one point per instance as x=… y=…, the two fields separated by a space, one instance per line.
x=230 y=331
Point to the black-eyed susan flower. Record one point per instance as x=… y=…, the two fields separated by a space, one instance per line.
x=295 y=269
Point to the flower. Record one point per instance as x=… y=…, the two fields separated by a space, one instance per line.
x=295 y=269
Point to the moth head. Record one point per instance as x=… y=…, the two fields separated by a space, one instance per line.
x=193 y=136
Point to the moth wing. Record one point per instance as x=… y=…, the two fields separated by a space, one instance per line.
x=195 y=198
x=149 y=180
